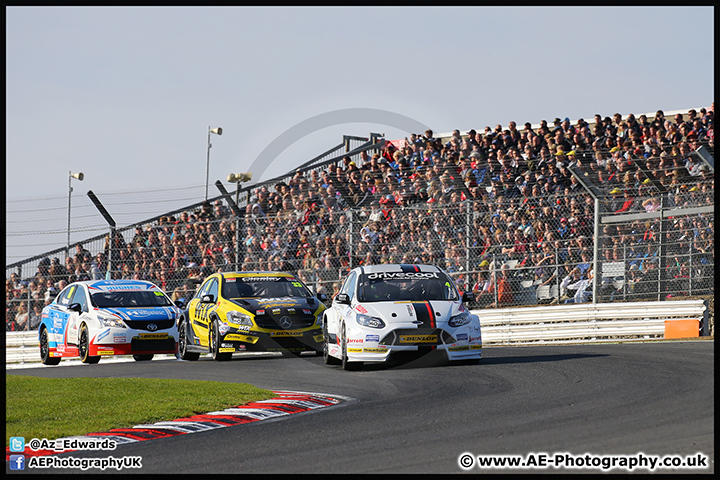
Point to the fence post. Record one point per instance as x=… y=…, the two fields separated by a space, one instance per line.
x=495 y=270
x=557 y=275
x=596 y=249
x=108 y=274
x=468 y=224
x=690 y=267
x=626 y=272
x=351 y=223
x=29 y=309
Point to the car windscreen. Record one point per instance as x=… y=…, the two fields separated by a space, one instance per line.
x=130 y=299
x=264 y=287
x=401 y=286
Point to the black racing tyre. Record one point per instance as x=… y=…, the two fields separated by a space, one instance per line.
x=214 y=345
x=143 y=357
x=45 y=357
x=329 y=359
x=84 y=346
x=183 y=343
x=346 y=364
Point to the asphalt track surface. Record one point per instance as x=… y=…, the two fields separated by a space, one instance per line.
x=653 y=398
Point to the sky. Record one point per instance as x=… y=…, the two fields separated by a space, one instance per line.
x=127 y=95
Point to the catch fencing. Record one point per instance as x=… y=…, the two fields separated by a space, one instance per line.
x=645 y=234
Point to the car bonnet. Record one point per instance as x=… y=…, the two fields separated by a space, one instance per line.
x=428 y=313
x=285 y=305
x=141 y=313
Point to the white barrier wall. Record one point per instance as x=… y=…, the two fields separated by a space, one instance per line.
x=586 y=322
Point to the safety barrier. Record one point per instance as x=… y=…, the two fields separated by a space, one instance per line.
x=523 y=326
x=21 y=347
x=588 y=322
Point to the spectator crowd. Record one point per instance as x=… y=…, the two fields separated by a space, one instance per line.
x=495 y=208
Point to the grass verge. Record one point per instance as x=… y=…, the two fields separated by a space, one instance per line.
x=53 y=408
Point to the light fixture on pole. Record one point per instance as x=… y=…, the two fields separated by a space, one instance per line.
x=78 y=176
x=238 y=178
x=216 y=131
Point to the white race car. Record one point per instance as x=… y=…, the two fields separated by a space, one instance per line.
x=100 y=318
x=386 y=309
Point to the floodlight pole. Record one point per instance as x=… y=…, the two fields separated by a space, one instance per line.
x=67 y=252
x=237 y=178
x=216 y=131
x=238 y=212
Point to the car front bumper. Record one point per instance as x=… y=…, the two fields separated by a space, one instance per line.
x=272 y=340
x=464 y=343
x=116 y=341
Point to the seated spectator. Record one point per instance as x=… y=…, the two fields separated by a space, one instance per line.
x=484 y=289
x=570 y=284
x=36 y=316
x=582 y=289
x=499 y=283
x=651 y=204
x=22 y=319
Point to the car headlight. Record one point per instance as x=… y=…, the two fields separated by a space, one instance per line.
x=239 y=318
x=368 y=321
x=459 y=320
x=111 y=322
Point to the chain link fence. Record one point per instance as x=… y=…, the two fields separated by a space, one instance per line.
x=593 y=226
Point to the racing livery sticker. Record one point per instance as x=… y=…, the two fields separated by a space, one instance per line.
x=425 y=314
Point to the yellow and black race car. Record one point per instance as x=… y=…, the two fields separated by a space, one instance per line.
x=251 y=311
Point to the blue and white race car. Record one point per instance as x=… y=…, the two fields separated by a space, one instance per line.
x=99 y=318
x=386 y=309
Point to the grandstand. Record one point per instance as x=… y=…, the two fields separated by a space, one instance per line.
x=612 y=209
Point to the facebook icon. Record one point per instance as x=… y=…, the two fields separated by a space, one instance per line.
x=17 y=462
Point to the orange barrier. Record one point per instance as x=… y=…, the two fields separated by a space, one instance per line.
x=686 y=328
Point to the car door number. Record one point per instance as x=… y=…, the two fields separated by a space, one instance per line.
x=202 y=312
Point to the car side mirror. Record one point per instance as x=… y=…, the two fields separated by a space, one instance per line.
x=75 y=307
x=322 y=297
x=468 y=297
x=342 y=298
x=180 y=303
x=209 y=298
